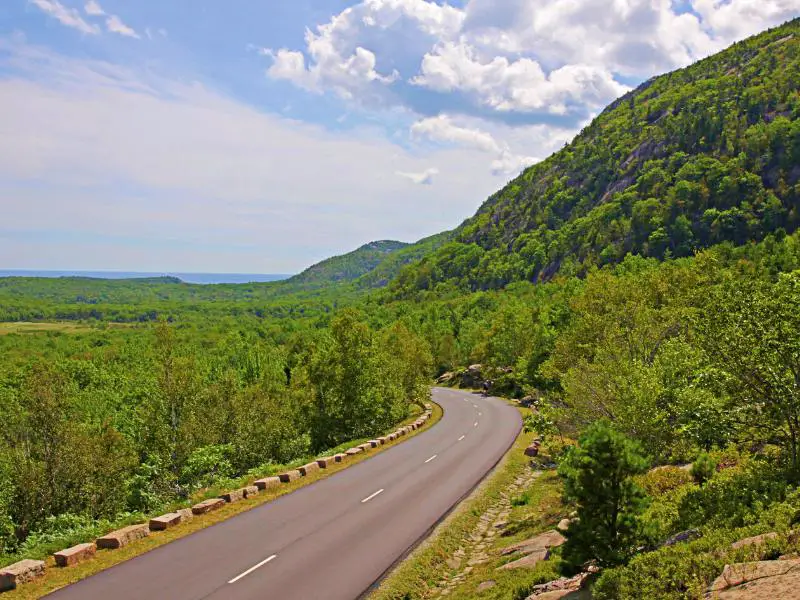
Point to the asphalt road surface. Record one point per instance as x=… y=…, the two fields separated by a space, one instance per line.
x=335 y=538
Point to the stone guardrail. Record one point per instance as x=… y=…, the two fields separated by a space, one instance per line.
x=28 y=570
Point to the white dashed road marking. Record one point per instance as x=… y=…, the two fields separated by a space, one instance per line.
x=431 y=458
x=251 y=569
x=371 y=496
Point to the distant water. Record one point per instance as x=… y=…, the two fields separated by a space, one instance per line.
x=203 y=278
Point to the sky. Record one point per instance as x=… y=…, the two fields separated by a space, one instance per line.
x=260 y=136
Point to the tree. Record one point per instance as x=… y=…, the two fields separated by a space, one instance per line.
x=598 y=479
x=751 y=331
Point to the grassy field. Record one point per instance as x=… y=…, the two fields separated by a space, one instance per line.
x=62 y=327
x=60 y=577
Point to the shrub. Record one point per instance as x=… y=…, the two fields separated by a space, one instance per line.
x=662 y=480
x=703 y=468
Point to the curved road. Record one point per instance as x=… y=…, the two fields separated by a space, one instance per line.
x=335 y=538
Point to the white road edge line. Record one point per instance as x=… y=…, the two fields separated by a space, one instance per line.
x=461 y=438
x=431 y=458
x=371 y=496
x=251 y=569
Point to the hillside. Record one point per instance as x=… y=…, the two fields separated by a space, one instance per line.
x=346 y=267
x=690 y=159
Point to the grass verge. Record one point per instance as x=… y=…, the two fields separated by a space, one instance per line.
x=56 y=577
x=422 y=570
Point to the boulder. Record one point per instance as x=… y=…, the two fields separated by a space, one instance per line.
x=20 y=572
x=563 y=525
x=74 y=555
x=289 y=476
x=233 y=496
x=339 y=457
x=546 y=540
x=757 y=580
x=206 y=506
x=326 y=462
x=532 y=450
x=354 y=451
x=486 y=585
x=366 y=446
x=123 y=537
x=756 y=540
x=527 y=562
x=250 y=491
x=311 y=467
x=683 y=536
x=267 y=483
x=374 y=443
x=165 y=521
x=186 y=514
x=383 y=439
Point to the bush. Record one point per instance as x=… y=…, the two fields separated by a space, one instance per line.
x=703 y=468
x=662 y=480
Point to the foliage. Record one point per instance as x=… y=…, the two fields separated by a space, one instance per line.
x=703 y=467
x=598 y=478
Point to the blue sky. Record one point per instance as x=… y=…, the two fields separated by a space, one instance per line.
x=262 y=136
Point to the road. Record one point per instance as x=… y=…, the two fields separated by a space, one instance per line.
x=332 y=539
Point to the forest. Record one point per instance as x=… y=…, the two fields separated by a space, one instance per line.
x=650 y=282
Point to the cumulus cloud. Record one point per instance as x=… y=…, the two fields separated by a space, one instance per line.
x=66 y=16
x=443 y=129
x=519 y=85
x=423 y=178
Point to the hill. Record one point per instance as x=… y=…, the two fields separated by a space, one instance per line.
x=346 y=267
x=690 y=159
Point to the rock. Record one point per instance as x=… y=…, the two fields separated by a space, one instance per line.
x=486 y=585
x=289 y=476
x=445 y=377
x=532 y=450
x=546 y=540
x=453 y=563
x=527 y=562
x=757 y=581
x=339 y=457
x=206 y=506
x=267 y=483
x=20 y=572
x=250 y=491
x=309 y=468
x=74 y=555
x=164 y=521
x=756 y=540
x=374 y=443
x=326 y=462
x=683 y=536
x=366 y=446
x=123 y=537
x=186 y=514
x=558 y=588
x=354 y=451
x=563 y=524
x=233 y=496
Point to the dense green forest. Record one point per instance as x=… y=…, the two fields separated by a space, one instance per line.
x=646 y=277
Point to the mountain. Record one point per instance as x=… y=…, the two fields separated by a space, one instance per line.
x=346 y=267
x=391 y=265
x=700 y=156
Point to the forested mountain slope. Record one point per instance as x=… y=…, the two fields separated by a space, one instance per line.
x=703 y=155
x=347 y=267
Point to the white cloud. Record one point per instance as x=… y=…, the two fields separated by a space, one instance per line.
x=519 y=85
x=93 y=9
x=66 y=16
x=422 y=178
x=115 y=25
x=123 y=153
x=443 y=129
